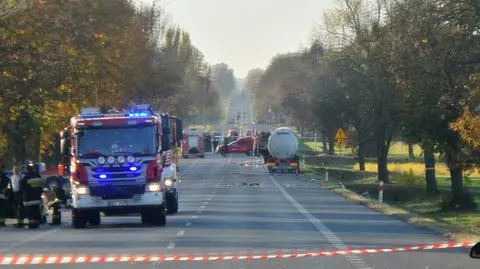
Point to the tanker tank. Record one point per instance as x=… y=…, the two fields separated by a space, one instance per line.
x=283 y=147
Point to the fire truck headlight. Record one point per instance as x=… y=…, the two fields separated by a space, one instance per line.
x=121 y=159
x=130 y=159
x=168 y=182
x=81 y=190
x=111 y=160
x=101 y=160
x=154 y=187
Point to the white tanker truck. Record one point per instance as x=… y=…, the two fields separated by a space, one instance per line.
x=282 y=151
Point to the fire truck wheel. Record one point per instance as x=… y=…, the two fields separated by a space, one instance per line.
x=146 y=217
x=79 y=220
x=94 y=218
x=172 y=203
x=159 y=218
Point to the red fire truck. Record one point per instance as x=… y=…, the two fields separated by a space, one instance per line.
x=115 y=163
x=193 y=143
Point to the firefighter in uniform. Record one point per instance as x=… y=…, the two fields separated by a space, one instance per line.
x=15 y=182
x=32 y=188
x=4 y=181
x=215 y=141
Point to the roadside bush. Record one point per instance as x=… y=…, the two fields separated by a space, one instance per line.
x=466 y=202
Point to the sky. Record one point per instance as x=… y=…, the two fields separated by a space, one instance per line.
x=246 y=34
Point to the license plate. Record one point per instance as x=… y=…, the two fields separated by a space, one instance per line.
x=118 y=203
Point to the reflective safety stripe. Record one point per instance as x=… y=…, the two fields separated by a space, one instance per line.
x=36 y=202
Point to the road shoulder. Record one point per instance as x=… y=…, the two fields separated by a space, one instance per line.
x=445 y=230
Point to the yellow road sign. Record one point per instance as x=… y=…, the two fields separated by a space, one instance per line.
x=340 y=137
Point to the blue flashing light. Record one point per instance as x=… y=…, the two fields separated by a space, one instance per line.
x=103 y=176
x=133 y=168
x=140 y=111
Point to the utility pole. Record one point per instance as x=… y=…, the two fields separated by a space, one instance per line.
x=205 y=97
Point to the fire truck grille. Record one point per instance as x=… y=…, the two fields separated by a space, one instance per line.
x=117 y=192
x=124 y=169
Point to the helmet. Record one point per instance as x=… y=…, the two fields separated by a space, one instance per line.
x=30 y=166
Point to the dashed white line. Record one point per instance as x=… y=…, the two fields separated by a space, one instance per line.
x=188 y=224
x=181 y=233
x=195 y=217
x=202 y=207
x=354 y=260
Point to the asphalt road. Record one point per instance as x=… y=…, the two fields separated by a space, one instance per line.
x=232 y=206
x=229 y=208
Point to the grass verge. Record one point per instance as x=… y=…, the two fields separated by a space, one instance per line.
x=407 y=202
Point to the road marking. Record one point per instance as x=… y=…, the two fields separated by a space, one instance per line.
x=181 y=233
x=188 y=224
x=28 y=240
x=329 y=235
x=171 y=245
x=202 y=207
x=194 y=217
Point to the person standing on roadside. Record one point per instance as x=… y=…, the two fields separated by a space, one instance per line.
x=4 y=181
x=15 y=180
x=32 y=187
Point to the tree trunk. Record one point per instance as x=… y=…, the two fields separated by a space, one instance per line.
x=411 y=153
x=382 y=157
x=460 y=199
x=456 y=175
x=361 y=155
x=331 y=145
x=324 y=144
x=429 y=159
x=361 y=150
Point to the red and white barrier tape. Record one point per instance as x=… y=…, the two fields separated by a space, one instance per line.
x=70 y=259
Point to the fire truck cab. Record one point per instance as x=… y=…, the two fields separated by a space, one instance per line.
x=193 y=143
x=116 y=163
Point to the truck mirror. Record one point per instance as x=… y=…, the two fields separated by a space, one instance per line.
x=179 y=126
x=58 y=147
x=65 y=143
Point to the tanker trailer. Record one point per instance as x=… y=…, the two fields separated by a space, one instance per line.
x=282 y=148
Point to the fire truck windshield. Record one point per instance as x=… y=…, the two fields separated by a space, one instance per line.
x=134 y=140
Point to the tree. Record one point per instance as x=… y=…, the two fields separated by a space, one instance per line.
x=223 y=78
x=253 y=78
x=59 y=56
